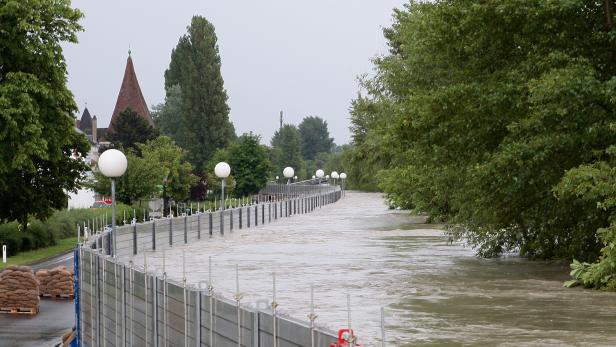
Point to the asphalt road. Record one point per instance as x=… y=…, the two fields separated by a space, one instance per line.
x=46 y=328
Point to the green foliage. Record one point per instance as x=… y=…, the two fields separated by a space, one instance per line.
x=140 y=181
x=478 y=112
x=167 y=116
x=37 y=136
x=199 y=108
x=315 y=137
x=130 y=130
x=250 y=165
x=177 y=177
x=287 y=150
x=60 y=225
x=162 y=164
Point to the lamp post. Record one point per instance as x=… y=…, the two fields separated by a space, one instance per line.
x=335 y=176
x=112 y=163
x=222 y=171
x=343 y=177
x=277 y=188
x=320 y=173
x=288 y=172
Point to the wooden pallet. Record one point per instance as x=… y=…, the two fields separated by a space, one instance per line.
x=59 y=296
x=19 y=310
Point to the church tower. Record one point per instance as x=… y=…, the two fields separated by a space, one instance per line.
x=130 y=96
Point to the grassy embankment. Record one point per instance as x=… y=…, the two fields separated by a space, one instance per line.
x=29 y=257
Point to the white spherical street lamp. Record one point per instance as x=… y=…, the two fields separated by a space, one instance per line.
x=343 y=177
x=320 y=173
x=222 y=171
x=288 y=172
x=112 y=163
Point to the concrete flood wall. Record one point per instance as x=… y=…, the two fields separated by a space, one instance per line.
x=121 y=305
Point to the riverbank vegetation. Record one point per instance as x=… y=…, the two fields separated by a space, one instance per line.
x=498 y=118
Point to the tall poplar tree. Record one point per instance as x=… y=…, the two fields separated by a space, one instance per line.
x=204 y=114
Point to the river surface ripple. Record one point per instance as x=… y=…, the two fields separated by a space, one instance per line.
x=434 y=293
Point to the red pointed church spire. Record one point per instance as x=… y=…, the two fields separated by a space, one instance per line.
x=130 y=96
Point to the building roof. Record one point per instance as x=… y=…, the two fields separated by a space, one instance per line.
x=130 y=96
x=85 y=124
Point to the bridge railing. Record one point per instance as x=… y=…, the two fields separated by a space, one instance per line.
x=121 y=304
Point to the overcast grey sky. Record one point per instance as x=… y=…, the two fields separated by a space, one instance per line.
x=302 y=57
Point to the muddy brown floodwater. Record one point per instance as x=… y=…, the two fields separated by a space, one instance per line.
x=434 y=293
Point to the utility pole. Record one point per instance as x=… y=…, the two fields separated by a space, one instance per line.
x=280 y=119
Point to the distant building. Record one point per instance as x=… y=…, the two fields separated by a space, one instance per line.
x=130 y=96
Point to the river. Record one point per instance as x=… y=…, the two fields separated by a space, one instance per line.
x=434 y=293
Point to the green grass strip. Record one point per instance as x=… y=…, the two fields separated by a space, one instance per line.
x=26 y=258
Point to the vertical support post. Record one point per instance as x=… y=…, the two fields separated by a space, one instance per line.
x=383 y=338
x=77 y=289
x=198 y=224
x=240 y=216
x=222 y=222
x=262 y=214
x=256 y=215
x=211 y=223
x=145 y=286
x=210 y=288
x=154 y=235
x=115 y=282
x=274 y=307
x=171 y=231
x=312 y=316
x=155 y=310
x=185 y=229
x=248 y=216
x=231 y=220
x=134 y=238
x=113 y=218
x=238 y=298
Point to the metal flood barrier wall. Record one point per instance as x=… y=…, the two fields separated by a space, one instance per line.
x=118 y=304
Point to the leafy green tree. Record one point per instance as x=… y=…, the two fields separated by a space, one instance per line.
x=140 y=181
x=315 y=137
x=287 y=150
x=130 y=130
x=37 y=135
x=476 y=122
x=250 y=164
x=203 y=118
x=167 y=115
x=213 y=183
x=177 y=177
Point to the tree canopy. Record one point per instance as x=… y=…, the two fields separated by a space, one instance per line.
x=161 y=164
x=130 y=130
x=37 y=134
x=287 y=150
x=315 y=137
x=202 y=113
x=486 y=114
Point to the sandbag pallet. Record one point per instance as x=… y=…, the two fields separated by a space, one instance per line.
x=19 y=291
x=56 y=283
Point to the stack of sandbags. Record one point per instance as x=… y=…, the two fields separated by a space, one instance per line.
x=56 y=282
x=19 y=288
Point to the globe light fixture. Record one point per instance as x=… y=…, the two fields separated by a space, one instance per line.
x=288 y=172
x=343 y=177
x=112 y=163
x=320 y=173
x=222 y=171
